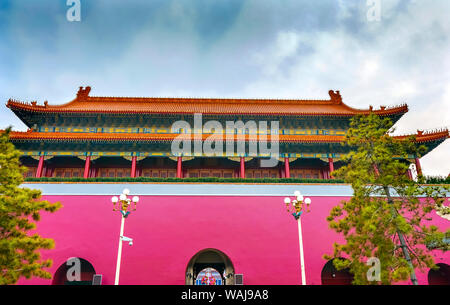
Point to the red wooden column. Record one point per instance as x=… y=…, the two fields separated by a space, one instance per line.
x=133 y=167
x=242 y=167
x=331 y=166
x=87 y=166
x=375 y=168
x=281 y=172
x=408 y=173
x=40 y=167
x=418 y=167
x=179 y=168
x=286 y=168
x=48 y=171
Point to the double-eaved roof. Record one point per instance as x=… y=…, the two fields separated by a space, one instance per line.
x=90 y=106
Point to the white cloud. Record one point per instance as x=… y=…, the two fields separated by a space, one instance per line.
x=369 y=69
x=402 y=59
x=286 y=45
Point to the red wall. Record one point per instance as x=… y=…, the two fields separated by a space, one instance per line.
x=257 y=234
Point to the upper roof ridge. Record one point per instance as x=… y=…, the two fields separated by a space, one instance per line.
x=83 y=94
x=84 y=103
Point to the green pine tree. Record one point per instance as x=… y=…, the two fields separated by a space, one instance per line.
x=374 y=223
x=20 y=208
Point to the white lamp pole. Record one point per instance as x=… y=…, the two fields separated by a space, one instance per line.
x=125 y=209
x=119 y=253
x=296 y=209
x=302 y=258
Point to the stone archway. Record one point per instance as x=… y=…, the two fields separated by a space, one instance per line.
x=210 y=258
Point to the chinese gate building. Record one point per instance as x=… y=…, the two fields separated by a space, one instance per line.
x=187 y=232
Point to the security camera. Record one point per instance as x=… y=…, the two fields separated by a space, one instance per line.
x=129 y=240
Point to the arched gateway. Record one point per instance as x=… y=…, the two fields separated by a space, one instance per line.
x=75 y=271
x=210 y=267
x=440 y=276
x=331 y=276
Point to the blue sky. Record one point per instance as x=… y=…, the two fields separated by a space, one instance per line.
x=234 y=48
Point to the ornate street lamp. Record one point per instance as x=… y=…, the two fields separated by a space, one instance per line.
x=296 y=207
x=123 y=204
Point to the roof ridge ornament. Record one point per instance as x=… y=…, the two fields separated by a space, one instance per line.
x=433 y=131
x=83 y=93
x=428 y=132
x=335 y=96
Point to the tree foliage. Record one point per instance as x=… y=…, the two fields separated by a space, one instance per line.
x=20 y=208
x=389 y=215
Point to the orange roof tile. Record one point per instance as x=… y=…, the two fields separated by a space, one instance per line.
x=87 y=104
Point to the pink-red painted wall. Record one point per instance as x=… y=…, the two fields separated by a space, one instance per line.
x=256 y=233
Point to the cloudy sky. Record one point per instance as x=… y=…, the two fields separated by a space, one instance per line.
x=235 y=48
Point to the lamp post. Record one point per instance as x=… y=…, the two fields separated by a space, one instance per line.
x=296 y=208
x=123 y=204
